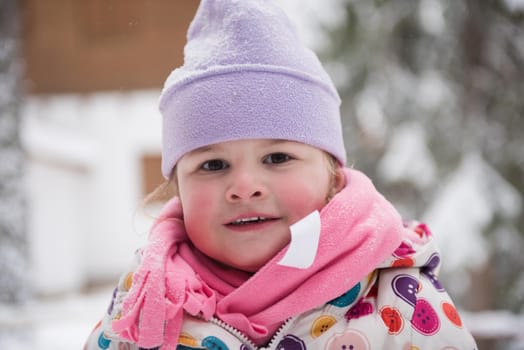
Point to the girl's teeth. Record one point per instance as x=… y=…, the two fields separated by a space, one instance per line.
x=248 y=220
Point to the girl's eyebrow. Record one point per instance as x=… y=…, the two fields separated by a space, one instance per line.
x=202 y=149
x=273 y=142
x=277 y=141
x=217 y=147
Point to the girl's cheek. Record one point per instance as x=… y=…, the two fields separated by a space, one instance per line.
x=199 y=198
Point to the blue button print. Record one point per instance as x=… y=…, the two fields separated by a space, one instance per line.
x=213 y=343
x=347 y=298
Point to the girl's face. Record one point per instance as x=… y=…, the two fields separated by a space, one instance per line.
x=240 y=197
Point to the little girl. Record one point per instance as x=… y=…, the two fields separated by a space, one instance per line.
x=270 y=242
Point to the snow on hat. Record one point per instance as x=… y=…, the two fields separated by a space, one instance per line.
x=247 y=76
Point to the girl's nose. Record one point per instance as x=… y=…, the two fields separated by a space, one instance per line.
x=245 y=185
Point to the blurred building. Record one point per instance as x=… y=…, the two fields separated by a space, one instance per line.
x=91 y=130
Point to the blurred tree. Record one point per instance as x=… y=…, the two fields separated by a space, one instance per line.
x=425 y=86
x=14 y=288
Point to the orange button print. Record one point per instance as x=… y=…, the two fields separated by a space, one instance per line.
x=452 y=314
x=392 y=319
x=188 y=340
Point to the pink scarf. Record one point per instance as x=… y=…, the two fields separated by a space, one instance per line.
x=359 y=229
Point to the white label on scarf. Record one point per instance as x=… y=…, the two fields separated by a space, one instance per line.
x=305 y=235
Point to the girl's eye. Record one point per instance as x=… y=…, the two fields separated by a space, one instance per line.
x=214 y=165
x=277 y=158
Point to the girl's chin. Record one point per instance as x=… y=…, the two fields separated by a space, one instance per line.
x=247 y=266
x=247 y=255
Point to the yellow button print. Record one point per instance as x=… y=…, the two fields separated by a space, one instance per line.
x=321 y=325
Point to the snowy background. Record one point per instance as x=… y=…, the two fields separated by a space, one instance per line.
x=437 y=127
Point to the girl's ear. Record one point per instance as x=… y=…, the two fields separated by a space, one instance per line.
x=339 y=179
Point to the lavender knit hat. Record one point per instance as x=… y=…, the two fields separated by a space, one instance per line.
x=247 y=76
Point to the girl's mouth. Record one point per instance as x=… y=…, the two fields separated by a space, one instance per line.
x=250 y=220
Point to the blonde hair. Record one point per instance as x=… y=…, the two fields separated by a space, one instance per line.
x=163 y=192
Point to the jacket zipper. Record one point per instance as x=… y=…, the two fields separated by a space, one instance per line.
x=246 y=341
x=277 y=337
